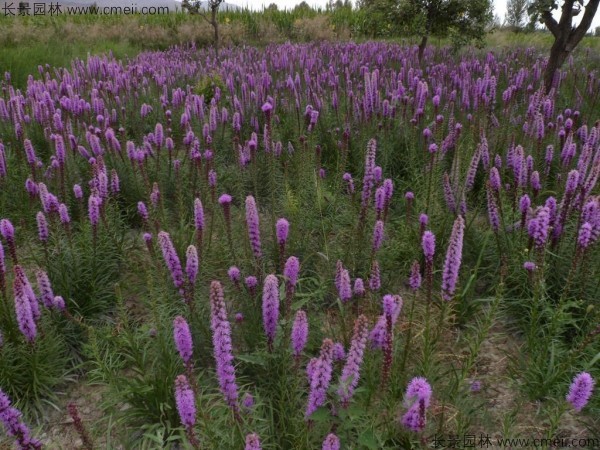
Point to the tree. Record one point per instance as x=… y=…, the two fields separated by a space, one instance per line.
x=516 y=14
x=566 y=36
x=196 y=7
x=462 y=20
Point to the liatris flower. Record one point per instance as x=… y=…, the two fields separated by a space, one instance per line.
x=234 y=275
x=524 y=204
x=14 y=426
x=538 y=227
x=453 y=259
x=155 y=195
x=415 y=276
x=423 y=221
x=449 y=194
x=2 y=270
x=45 y=288
x=584 y=237
x=222 y=345
x=59 y=303
x=580 y=390
x=299 y=333
x=428 y=244
x=186 y=407
x=377 y=235
x=251 y=284
x=529 y=266
x=345 y=286
x=291 y=271
x=379 y=201
x=350 y=183
x=252 y=222
x=191 y=265
x=148 y=240
x=359 y=288
x=369 y=177
x=248 y=401
x=338 y=351
x=42 y=225
x=493 y=213
x=171 y=259
x=183 y=339
x=94 y=211
x=282 y=228
x=23 y=307
x=198 y=221
x=270 y=308
x=79 y=426
x=418 y=396
x=351 y=370
x=392 y=305
x=77 y=192
x=143 y=211
x=495 y=182
x=252 y=442
x=339 y=266
x=375 y=278
x=8 y=232
x=115 y=183
x=320 y=377
x=63 y=213
x=331 y=442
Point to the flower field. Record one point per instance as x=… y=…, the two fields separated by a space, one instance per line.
x=304 y=246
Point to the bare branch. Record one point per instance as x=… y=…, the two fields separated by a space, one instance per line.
x=550 y=23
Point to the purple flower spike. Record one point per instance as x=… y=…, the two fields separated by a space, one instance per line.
x=331 y=442
x=186 y=404
x=252 y=440
x=252 y=222
x=453 y=259
x=299 y=333
x=42 y=227
x=251 y=284
x=320 y=377
x=94 y=210
x=234 y=274
x=14 y=426
x=223 y=350
x=418 y=397
x=225 y=199
x=375 y=278
x=415 y=276
x=428 y=244
x=282 y=228
x=23 y=305
x=377 y=235
x=270 y=308
x=171 y=259
x=183 y=339
x=345 y=286
x=47 y=296
x=191 y=266
x=351 y=370
x=359 y=288
x=580 y=391
x=291 y=270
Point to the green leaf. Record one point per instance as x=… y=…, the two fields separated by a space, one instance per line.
x=253 y=359
x=321 y=415
x=369 y=440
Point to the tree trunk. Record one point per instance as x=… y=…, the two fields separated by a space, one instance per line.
x=422 y=46
x=558 y=55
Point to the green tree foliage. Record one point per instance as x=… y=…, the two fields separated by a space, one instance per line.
x=463 y=21
x=516 y=14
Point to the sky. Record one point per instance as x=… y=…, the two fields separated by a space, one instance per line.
x=500 y=6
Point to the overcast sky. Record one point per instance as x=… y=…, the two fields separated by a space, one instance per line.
x=500 y=6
